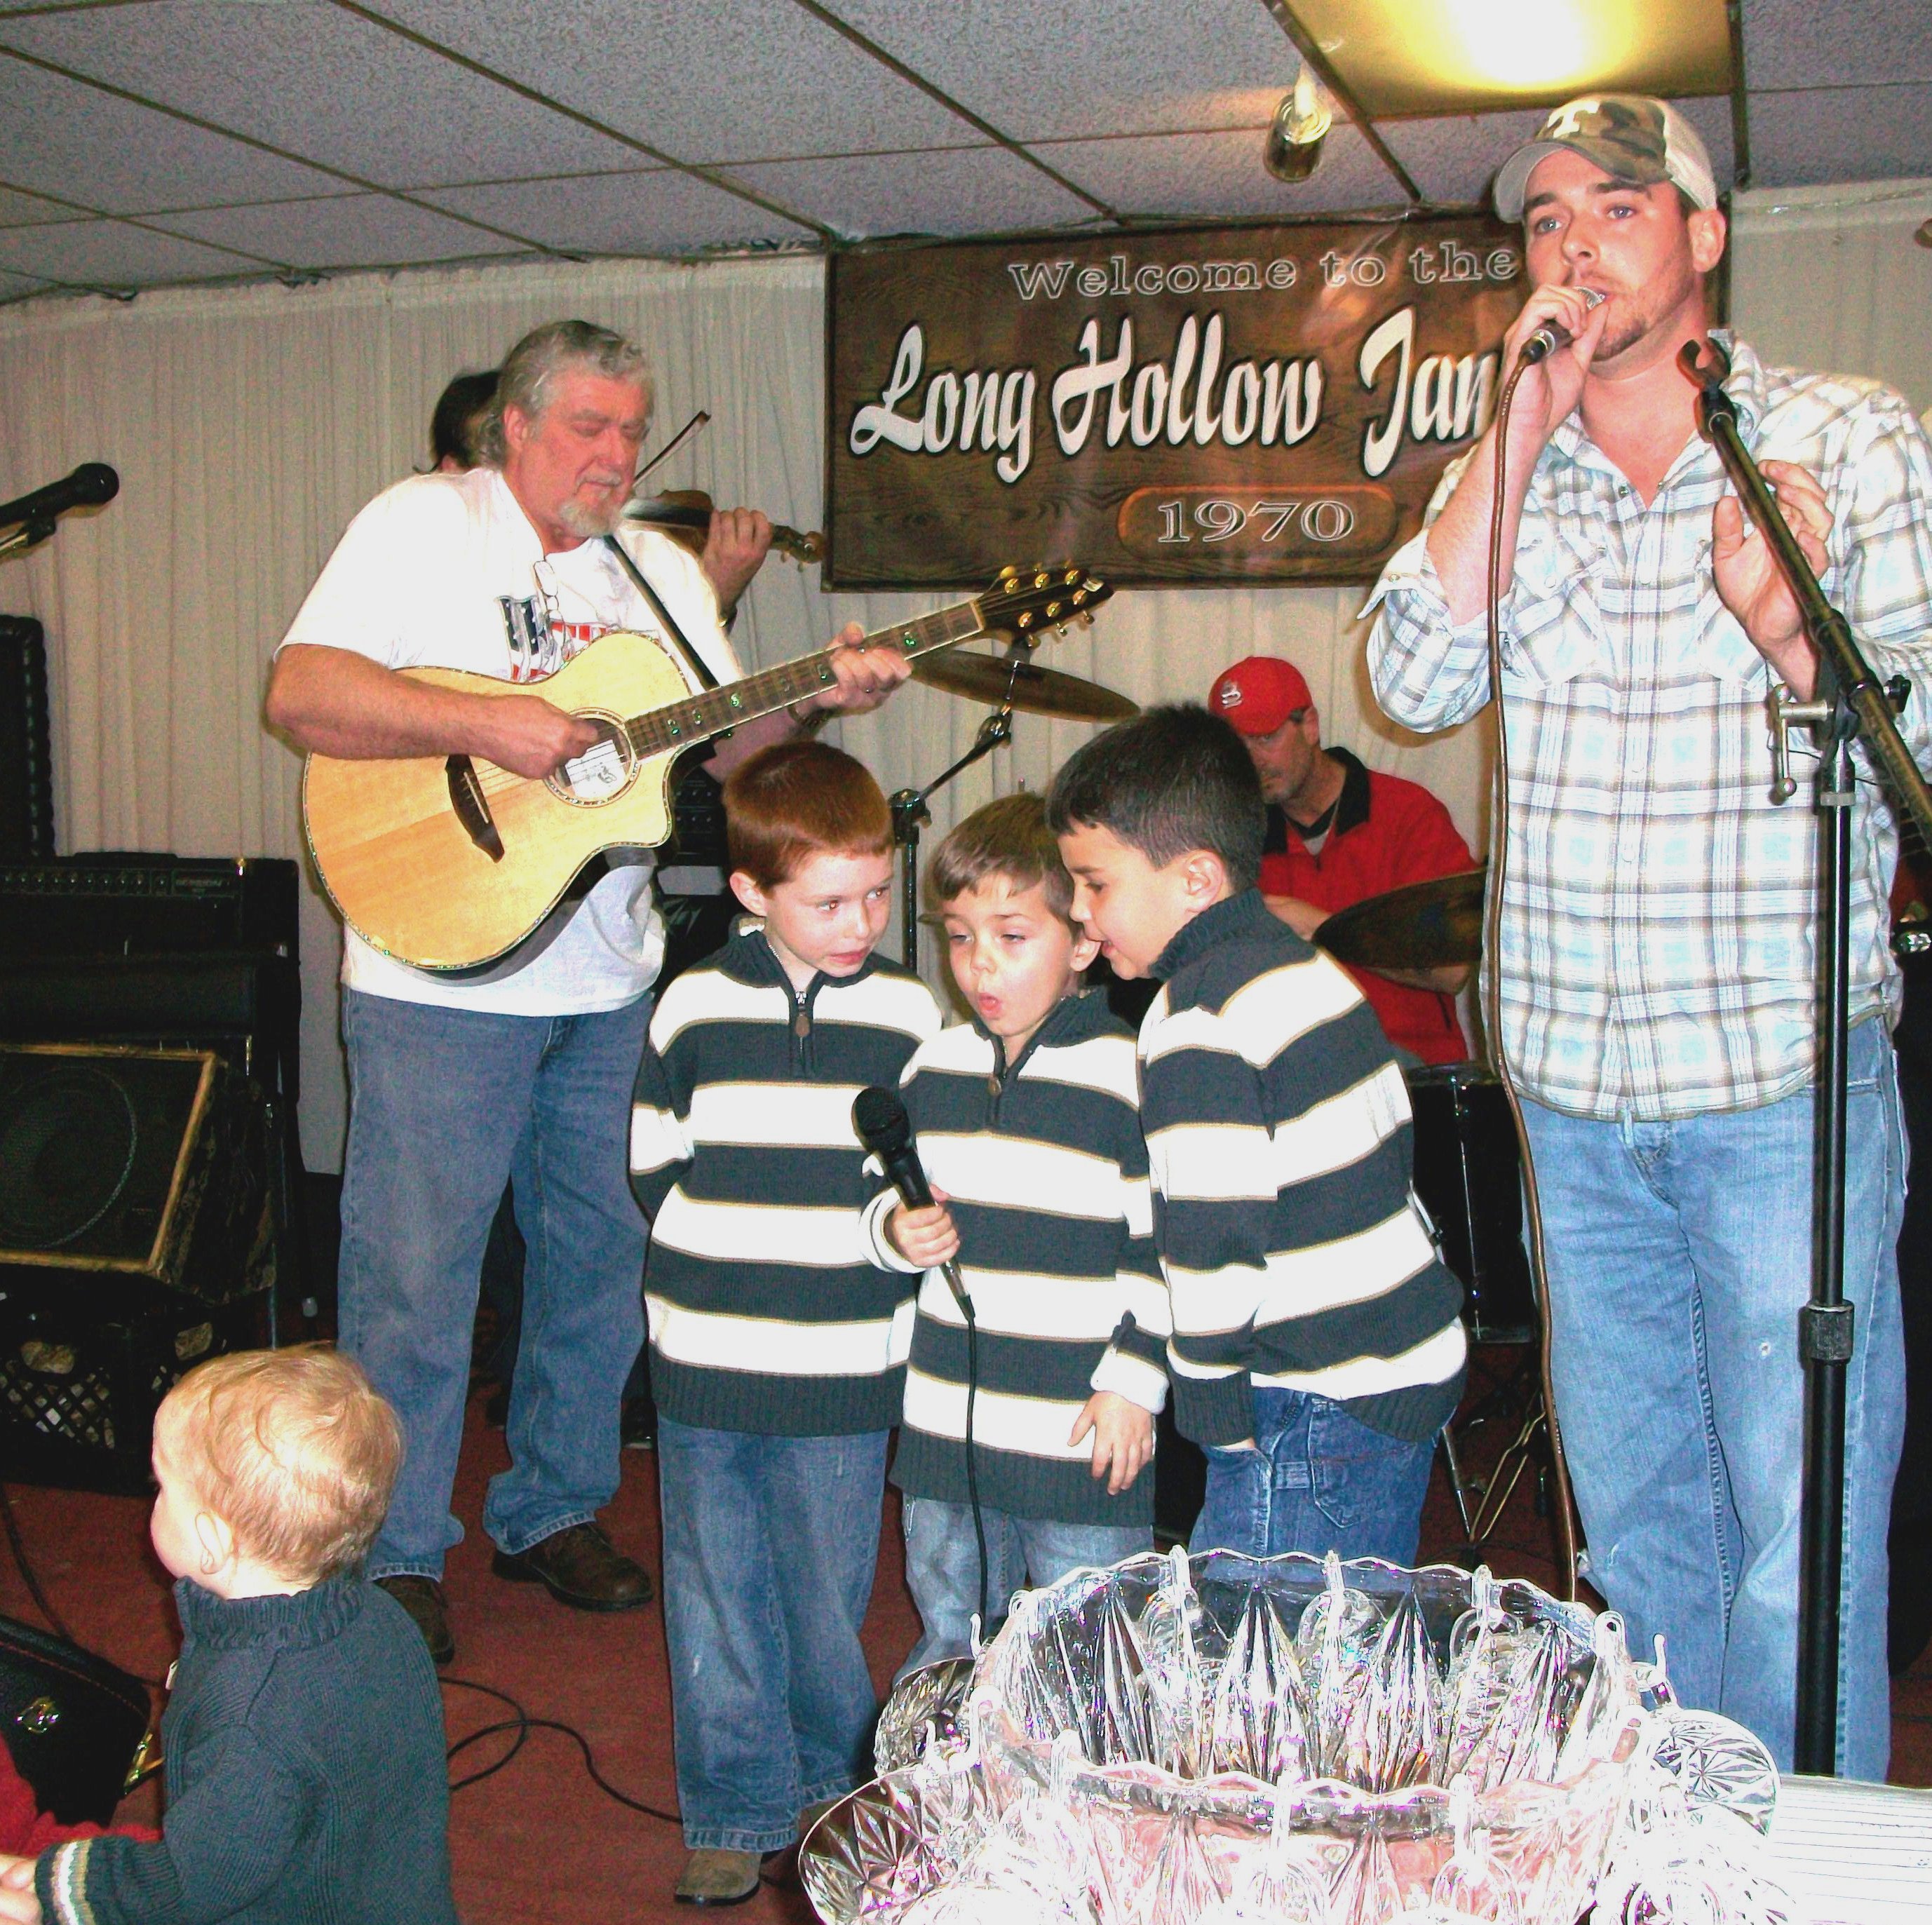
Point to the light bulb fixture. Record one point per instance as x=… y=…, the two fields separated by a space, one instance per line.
x=1295 y=135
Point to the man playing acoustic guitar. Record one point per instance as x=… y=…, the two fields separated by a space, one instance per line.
x=523 y=1070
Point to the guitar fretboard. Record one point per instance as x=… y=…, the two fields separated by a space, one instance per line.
x=698 y=718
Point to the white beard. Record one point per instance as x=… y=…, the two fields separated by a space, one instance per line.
x=581 y=519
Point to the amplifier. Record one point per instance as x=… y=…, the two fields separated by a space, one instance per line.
x=120 y=901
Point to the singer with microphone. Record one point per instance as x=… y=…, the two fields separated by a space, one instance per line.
x=1037 y=1248
x=1655 y=959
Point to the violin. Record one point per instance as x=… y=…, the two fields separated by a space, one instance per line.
x=684 y=515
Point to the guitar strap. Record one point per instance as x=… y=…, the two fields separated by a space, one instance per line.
x=693 y=660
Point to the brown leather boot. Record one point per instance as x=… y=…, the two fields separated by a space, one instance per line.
x=422 y=1598
x=580 y=1567
x=718 y=1878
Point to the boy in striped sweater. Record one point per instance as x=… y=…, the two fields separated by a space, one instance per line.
x=777 y=1348
x=1317 y=1348
x=1028 y=1127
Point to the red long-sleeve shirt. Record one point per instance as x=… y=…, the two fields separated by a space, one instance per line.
x=1386 y=831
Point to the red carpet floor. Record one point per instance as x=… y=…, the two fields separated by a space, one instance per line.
x=537 y=1841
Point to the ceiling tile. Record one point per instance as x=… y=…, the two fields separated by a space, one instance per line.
x=976 y=189
x=733 y=79
x=110 y=254
x=1103 y=66
x=316 y=81
x=73 y=140
x=654 y=211
x=1841 y=134
x=1800 y=44
x=22 y=210
x=1220 y=175
x=356 y=230
x=1453 y=160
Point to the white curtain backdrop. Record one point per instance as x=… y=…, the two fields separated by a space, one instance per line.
x=249 y=425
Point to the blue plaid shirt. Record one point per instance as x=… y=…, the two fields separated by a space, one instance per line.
x=1657 y=940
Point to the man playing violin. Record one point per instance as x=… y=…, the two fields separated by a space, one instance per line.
x=521 y=1070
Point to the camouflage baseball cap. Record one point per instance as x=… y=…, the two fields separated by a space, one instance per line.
x=1631 y=137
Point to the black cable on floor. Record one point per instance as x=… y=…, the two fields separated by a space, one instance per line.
x=523 y=1724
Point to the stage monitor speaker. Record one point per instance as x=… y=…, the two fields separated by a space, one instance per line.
x=124 y=1169
x=26 y=760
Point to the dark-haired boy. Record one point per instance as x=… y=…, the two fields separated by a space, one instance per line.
x=777 y=1348
x=1317 y=1349
x=1029 y=1129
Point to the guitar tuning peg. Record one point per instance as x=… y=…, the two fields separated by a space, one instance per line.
x=1052 y=610
x=1061 y=631
x=1085 y=618
x=1025 y=620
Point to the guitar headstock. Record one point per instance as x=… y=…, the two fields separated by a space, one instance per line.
x=1021 y=602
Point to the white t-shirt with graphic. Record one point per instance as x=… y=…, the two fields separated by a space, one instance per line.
x=446 y=571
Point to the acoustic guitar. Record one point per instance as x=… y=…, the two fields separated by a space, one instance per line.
x=447 y=863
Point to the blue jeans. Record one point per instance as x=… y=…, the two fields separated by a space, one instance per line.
x=1678 y=1256
x=1315 y=1479
x=943 y=1565
x=444 y=1105
x=769 y=1546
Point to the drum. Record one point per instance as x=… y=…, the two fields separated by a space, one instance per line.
x=1469 y=1177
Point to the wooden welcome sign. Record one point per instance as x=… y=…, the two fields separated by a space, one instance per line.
x=1233 y=403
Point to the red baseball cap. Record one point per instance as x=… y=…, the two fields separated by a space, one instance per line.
x=1257 y=695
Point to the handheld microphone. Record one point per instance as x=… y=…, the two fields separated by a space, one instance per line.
x=90 y=484
x=1545 y=340
x=883 y=1127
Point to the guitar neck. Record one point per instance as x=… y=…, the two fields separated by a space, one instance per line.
x=698 y=718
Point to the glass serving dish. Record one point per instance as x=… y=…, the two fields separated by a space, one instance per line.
x=1214 y=1739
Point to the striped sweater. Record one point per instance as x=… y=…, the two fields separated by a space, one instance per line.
x=1043 y=1161
x=1280 y=1145
x=766 y=1313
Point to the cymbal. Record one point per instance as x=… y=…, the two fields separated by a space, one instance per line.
x=1433 y=924
x=1040 y=691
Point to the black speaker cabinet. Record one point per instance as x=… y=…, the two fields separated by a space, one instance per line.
x=137 y=1236
x=26 y=760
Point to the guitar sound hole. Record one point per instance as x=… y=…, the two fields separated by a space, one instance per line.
x=602 y=772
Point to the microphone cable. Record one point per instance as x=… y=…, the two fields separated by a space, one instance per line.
x=1492 y=1000
x=972 y=1463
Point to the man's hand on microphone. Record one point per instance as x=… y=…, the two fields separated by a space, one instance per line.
x=1123 y=1437
x=1549 y=391
x=926 y=1237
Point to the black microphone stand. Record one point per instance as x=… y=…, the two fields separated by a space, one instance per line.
x=1849 y=704
x=911 y=815
x=27 y=534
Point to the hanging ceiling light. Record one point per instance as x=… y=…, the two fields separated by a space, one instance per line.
x=1295 y=135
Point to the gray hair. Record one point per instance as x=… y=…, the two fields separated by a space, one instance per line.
x=555 y=348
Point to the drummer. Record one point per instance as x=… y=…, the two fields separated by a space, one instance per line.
x=1337 y=833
